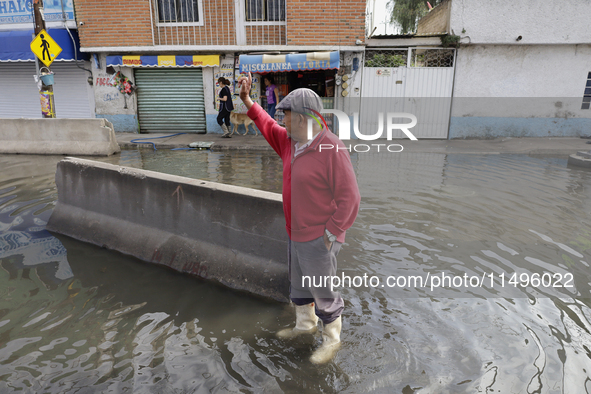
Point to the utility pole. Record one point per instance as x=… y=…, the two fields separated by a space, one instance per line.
x=39 y=21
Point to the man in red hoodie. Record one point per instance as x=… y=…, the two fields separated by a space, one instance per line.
x=320 y=202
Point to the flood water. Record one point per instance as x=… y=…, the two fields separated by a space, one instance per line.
x=75 y=318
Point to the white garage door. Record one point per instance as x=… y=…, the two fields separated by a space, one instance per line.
x=20 y=97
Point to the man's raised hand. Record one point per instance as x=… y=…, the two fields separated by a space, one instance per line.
x=245 y=84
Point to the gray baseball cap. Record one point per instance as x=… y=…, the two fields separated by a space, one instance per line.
x=301 y=100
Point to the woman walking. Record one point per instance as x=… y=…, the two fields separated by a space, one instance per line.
x=226 y=106
x=272 y=94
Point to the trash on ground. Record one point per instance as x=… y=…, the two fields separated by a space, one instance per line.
x=201 y=144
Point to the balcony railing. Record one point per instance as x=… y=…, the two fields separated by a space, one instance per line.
x=218 y=22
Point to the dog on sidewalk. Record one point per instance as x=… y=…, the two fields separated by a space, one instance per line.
x=237 y=119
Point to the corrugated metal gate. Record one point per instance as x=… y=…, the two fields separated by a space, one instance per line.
x=170 y=100
x=414 y=80
x=20 y=96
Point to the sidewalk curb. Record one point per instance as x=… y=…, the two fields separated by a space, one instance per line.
x=520 y=146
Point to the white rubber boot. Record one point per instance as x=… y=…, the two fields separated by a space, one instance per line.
x=226 y=131
x=306 y=323
x=331 y=341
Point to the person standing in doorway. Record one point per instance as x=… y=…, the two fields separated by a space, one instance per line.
x=272 y=94
x=226 y=106
x=320 y=202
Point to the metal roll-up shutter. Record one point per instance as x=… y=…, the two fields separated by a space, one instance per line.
x=71 y=90
x=170 y=100
x=20 y=96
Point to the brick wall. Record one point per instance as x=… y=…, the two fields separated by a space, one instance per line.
x=109 y=23
x=323 y=22
x=115 y=23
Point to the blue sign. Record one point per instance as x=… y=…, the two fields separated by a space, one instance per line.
x=262 y=64
x=21 y=11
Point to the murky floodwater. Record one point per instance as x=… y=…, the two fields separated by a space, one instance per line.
x=77 y=318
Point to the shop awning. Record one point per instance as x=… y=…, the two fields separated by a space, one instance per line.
x=164 y=61
x=262 y=64
x=15 y=46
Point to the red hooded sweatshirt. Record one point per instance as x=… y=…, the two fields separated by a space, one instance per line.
x=319 y=186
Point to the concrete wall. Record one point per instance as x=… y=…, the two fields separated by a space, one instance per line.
x=525 y=71
x=502 y=22
x=232 y=235
x=354 y=77
x=351 y=102
x=58 y=137
x=518 y=91
x=111 y=104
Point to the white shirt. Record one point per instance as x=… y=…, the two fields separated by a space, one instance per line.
x=299 y=149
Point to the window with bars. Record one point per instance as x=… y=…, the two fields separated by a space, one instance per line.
x=265 y=10
x=178 y=11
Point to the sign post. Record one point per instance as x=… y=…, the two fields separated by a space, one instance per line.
x=46 y=50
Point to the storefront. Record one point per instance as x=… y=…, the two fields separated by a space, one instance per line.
x=170 y=90
x=314 y=70
x=20 y=94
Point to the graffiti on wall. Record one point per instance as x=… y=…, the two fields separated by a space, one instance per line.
x=117 y=80
x=111 y=96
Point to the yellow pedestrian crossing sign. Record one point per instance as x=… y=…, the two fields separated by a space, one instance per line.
x=45 y=48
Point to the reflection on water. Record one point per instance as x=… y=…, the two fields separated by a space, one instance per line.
x=78 y=318
x=241 y=168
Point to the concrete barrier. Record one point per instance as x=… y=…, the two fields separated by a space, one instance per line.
x=58 y=137
x=229 y=234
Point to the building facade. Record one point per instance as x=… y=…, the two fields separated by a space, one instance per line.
x=155 y=63
x=496 y=69
x=21 y=94
x=522 y=70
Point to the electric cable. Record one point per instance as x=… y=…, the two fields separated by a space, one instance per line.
x=72 y=37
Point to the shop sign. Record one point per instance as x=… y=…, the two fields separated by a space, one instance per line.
x=21 y=11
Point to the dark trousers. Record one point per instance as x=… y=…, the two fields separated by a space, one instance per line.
x=313 y=259
x=224 y=117
x=271 y=110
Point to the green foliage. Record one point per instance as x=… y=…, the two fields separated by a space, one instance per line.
x=450 y=40
x=407 y=13
x=385 y=60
